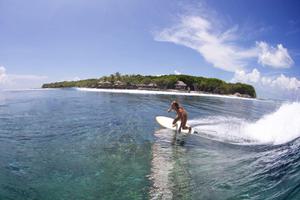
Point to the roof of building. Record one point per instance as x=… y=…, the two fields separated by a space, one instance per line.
x=180 y=83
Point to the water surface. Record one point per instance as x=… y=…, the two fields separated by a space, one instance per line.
x=70 y=144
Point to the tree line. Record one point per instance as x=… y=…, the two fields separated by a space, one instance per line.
x=194 y=83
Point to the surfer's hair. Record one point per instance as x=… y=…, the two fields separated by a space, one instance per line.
x=176 y=104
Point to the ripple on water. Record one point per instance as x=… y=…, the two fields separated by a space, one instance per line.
x=68 y=144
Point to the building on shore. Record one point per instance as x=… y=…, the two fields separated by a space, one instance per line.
x=152 y=85
x=180 y=85
x=104 y=84
x=119 y=85
x=242 y=95
x=147 y=86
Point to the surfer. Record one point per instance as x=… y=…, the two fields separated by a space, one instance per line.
x=181 y=115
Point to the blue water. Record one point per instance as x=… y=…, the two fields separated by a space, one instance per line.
x=70 y=144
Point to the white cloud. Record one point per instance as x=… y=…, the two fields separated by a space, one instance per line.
x=76 y=78
x=217 y=48
x=222 y=48
x=276 y=83
x=284 y=82
x=274 y=57
x=13 y=81
x=177 y=72
x=242 y=76
x=2 y=74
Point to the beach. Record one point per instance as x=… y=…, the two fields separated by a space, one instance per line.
x=162 y=92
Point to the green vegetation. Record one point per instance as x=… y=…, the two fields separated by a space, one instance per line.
x=193 y=83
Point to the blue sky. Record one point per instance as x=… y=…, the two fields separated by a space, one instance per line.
x=250 y=41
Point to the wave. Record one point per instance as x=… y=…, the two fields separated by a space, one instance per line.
x=279 y=127
x=132 y=91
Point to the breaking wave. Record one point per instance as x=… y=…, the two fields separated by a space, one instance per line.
x=279 y=127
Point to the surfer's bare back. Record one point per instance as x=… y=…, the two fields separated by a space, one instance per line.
x=181 y=115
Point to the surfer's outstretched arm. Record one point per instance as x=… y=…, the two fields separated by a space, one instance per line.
x=176 y=119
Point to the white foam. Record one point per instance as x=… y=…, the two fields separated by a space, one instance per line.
x=153 y=92
x=279 y=127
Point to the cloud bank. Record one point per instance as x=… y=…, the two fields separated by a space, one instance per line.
x=279 y=86
x=282 y=82
x=221 y=48
x=274 y=57
x=2 y=74
x=177 y=72
x=17 y=81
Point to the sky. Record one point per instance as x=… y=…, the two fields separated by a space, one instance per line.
x=249 y=41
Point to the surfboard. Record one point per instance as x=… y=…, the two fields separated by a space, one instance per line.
x=167 y=122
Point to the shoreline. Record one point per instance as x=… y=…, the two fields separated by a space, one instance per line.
x=160 y=92
x=142 y=91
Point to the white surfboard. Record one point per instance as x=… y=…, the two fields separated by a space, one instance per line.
x=167 y=122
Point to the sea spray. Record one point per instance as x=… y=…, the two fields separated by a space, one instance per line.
x=279 y=127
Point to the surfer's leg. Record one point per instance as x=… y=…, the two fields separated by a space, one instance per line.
x=184 y=126
x=187 y=127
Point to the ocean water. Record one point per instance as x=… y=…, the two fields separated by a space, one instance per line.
x=89 y=144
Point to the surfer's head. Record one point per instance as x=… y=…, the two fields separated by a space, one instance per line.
x=175 y=105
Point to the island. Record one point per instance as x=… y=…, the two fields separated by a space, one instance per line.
x=180 y=83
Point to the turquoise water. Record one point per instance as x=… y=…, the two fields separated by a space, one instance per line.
x=70 y=144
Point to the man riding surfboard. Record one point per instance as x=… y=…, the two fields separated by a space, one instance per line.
x=181 y=115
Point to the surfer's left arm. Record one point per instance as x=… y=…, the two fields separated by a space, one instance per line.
x=176 y=120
